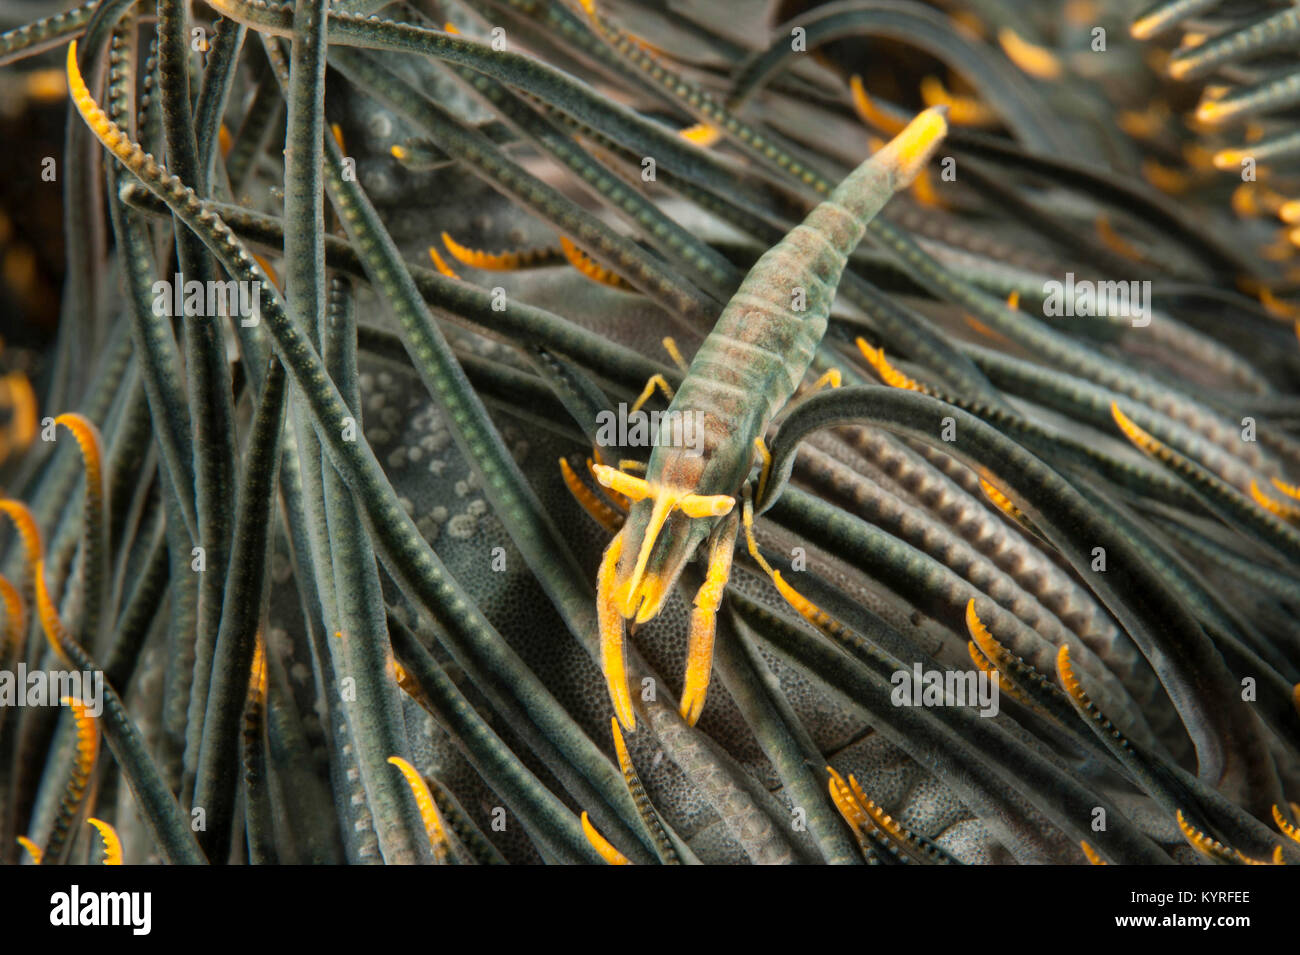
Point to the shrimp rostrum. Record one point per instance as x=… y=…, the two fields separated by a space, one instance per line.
x=744 y=373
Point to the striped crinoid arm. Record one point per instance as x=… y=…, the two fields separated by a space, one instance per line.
x=77 y=794
x=32 y=38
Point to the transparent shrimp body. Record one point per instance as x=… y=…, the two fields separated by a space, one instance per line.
x=746 y=370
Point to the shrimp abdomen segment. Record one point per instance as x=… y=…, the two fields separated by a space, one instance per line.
x=764 y=340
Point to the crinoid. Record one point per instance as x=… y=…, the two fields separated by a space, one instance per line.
x=343 y=282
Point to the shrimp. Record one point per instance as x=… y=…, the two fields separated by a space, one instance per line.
x=747 y=369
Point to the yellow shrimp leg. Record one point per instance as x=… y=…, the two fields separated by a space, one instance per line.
x=704 y=619
x=655 y=381
x=613 y=652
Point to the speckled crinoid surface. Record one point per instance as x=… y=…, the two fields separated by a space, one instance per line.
x=306 y=303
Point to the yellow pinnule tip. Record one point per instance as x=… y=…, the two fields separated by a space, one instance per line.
x=1226 y=159
x=441 y=265
x=602 y=845
x=590 y=267
x=1290 y=490
x=1120 y=417
x=1244 y=201
x=1065 y=673
x=46 y=85
x=77 y=88
x=424 y=802
x=869 y=112
x=701 y=134
x=1208 y=109
x=1290 y=212
x=25 y=522
x=35 y=851
x=620 y=745
x=1143 y=29
x=933 y=92
x=398 y=152
x=1094 y=858
x=1284 y=826
x=112 y=844
x=82 y=428
x=1037 y=61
